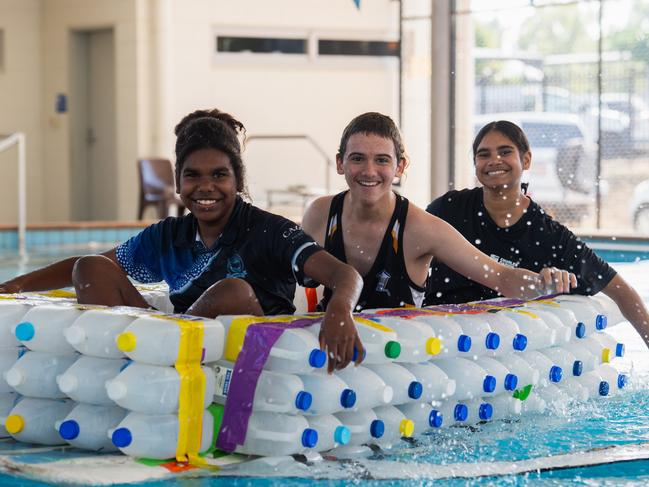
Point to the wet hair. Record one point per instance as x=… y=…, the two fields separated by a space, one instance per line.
x=510 y=130
x=377 y=124
x=211 y=129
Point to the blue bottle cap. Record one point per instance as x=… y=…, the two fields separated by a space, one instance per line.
x=485 y=411
x=464 y=343
x=619 y=350
x=377 y=428
x=342 y=435
x=126 y=364
x=577 y=368
x=511 y=381
x=580 y=330
x=317 y=358
x=303 y=400
x=600 y=322
x=347 y=398
x=69 y=429
x=435 y=419
x=556 y=373
x=122 y=437
x=520 y=342
x=355 y=354
x=492 y=341
x=460 y=412
x=309 y=438
x=415 y=389
x=24 y=331
x=622 y=381
x=604 y=388
x=489 y=383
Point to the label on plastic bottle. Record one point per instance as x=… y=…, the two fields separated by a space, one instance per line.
x=223 y=377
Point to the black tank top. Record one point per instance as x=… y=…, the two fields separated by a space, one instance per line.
x=387 y=284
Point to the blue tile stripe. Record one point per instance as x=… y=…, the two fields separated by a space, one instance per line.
x=36 y=239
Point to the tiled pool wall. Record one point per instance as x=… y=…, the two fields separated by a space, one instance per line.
x=38 y=239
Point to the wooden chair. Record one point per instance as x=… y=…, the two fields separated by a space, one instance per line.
x=157 y=187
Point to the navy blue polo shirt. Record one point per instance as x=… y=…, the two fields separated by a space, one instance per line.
x=266 y=250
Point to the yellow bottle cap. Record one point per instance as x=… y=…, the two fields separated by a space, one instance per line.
x=407 y=428
x=433 y=346
x=606 y=355
x=126 y=341
x=14 y=423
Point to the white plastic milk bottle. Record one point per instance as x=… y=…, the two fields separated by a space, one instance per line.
x=87 y=425
x=32 y=420
x=84 y=381
x=34 y=374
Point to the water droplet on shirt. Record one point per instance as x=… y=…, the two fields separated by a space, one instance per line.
x=478 y=241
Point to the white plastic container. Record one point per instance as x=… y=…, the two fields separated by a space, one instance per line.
x=331 y=432
x=276 y=392
x=564 y=359
x=506 y=381
x=616 y=348
x=278 y=434
x=595 y=384
x=418 y=340
x=608 y=307
x=538 y=334
x=558 y=396
x=504 y=406
x=563 y=332
x=296 y=351
x=379 y=341
x=155 y=435
x=153 y=389
x=483 y=339
x=533 y=404
x=155 y=339
x=7 y=402
x=8 y=357
x=405 y=386
x=11 y=313
x=96 y=330
x=397 y=425
x=87 y=425
x=582 y=353
x=471 y=380
x=511 y=337
x=329 y=393
x=34 y=374
x=617 y=380
x=571 y=388
x=32 y=420
x=371 y=390
x=548 y=370
x=363 y=424
x=436 y=384
x=41 y=328
x=84 y=381
x=516 y=365
x=424 y=416
x=566 y=316
x=585 y=311
x=451 y=411
x=454 y=342
x=479 y=409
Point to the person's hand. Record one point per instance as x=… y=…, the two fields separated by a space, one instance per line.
x=339 y=338
x=557 y=281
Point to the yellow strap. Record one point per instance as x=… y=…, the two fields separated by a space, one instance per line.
x=373 y=324
x=192 y=392
x=548 y=302
x=239 y=326
x=503 y=308
x=58 y=293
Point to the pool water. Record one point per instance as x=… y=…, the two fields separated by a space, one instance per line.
x=619 y=420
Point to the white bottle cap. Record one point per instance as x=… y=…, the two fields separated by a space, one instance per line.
x=116 y=389
x=67 y=382
x=388 y=393
x=15 y=377
x=74 y=335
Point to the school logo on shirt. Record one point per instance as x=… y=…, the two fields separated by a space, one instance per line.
x=236 y=268
x=382 y=285
x=504 y=261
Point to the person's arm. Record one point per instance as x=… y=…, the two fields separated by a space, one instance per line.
x=338 y=334
x=630 y=304
x=54 y=276
x=451 y=248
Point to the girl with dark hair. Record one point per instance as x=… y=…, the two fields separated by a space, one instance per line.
x=225 y=257
x=390 y=241
x=503 y=222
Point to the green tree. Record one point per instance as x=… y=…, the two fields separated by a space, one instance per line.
x=633 y=37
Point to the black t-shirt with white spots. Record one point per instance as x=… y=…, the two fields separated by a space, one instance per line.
x=534 y=242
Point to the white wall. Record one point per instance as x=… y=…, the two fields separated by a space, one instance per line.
x=20 y=104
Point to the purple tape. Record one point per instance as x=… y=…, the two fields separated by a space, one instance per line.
x=259 y=339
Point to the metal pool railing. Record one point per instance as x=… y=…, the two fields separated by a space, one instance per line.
x=6 y=141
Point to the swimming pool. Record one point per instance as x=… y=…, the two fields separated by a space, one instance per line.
x=620 y=420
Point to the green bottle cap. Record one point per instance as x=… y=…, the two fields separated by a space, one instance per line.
x=392 y=349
